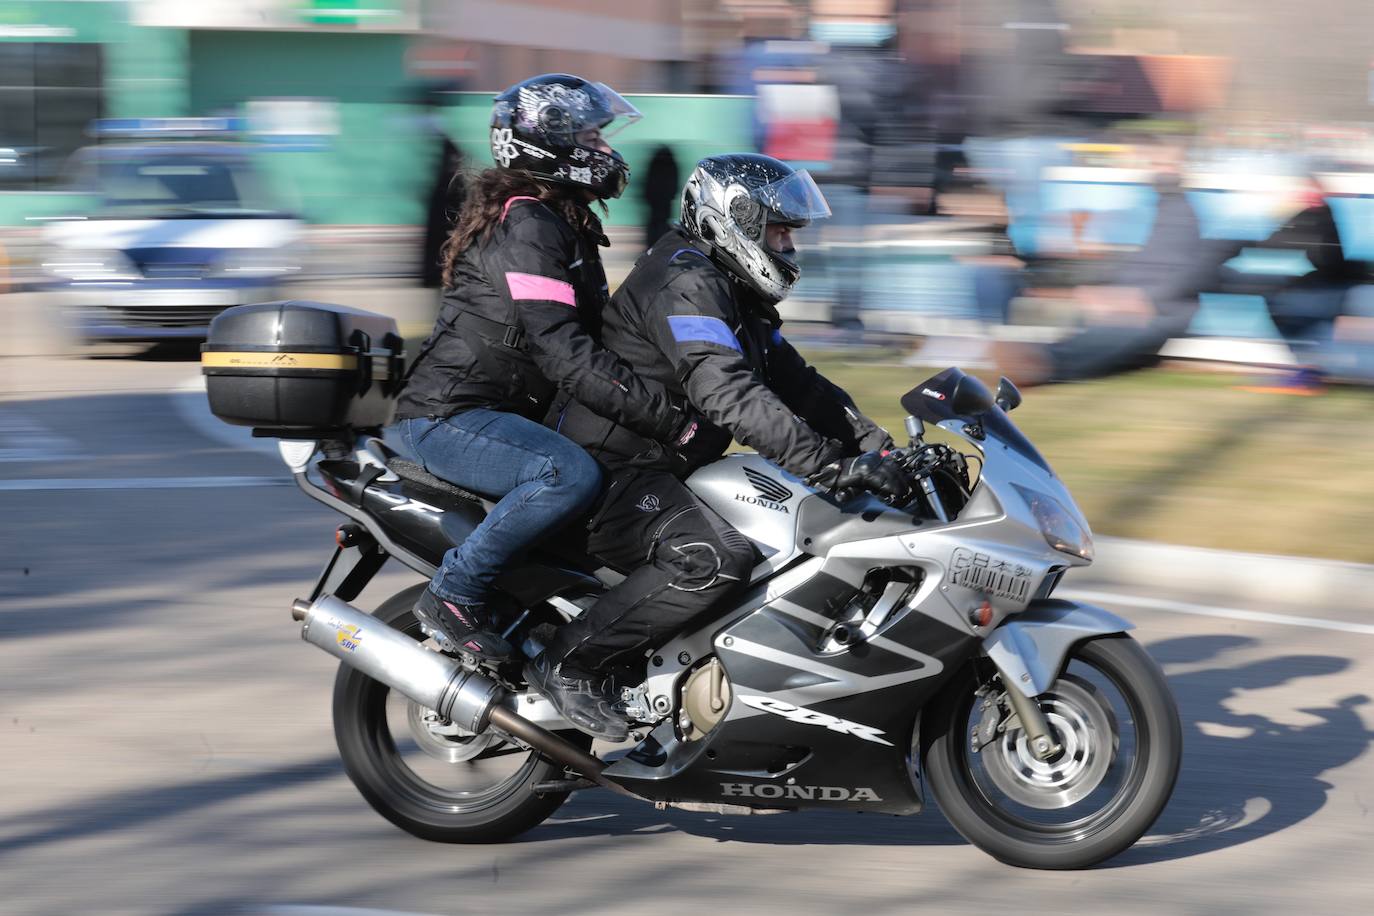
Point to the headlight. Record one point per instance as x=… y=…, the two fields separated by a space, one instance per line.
x=95 y=264
x=1057 y=524
x=254 y=263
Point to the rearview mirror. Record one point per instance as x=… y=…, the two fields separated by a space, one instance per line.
x=1008 y=396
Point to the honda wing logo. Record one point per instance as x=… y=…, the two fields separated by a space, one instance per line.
x=771 y=493
x=803 y=716
x=768 y=487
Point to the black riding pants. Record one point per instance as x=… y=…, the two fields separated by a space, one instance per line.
x=680 y=556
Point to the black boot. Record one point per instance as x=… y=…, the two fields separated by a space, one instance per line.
x=581 y=699
x=460 y=628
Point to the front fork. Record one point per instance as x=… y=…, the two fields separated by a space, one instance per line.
x=1030 y=650
x=1033 y=721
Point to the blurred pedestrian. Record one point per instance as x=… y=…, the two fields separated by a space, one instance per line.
x=1153 y=295
x=1019 y=73
x=865 y=80
x=659 y=190
x=446 y=193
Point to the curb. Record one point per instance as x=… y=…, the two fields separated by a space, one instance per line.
x=1321 y=587
x=1267 y=580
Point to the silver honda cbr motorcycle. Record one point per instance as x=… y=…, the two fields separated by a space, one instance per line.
x=877 y=652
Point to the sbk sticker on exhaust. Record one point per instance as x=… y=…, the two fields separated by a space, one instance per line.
x=348 y=636
x=803 y=716
x=981 y=572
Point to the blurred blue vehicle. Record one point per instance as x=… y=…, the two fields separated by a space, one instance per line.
x=180 y=231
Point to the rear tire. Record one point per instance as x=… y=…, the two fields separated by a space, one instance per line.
x=1019 y=829
x=367 y=737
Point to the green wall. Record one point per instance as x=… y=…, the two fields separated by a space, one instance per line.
x=379 y=167
x=375 y=171
x=145 y=76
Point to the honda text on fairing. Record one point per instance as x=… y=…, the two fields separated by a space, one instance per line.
x=878 y=650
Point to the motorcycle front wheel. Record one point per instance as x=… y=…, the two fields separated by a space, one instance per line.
x=1117 y=726
x=427 y=776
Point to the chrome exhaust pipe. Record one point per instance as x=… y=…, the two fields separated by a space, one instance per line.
x=465 y=697
x=461 y=695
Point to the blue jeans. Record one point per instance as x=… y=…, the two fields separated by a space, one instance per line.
x=543 y=481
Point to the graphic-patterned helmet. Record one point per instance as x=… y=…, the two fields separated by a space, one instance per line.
x=535 y=127
x=728 y=202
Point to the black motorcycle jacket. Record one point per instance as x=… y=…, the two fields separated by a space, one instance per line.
x=519 y=322
x=680 y=320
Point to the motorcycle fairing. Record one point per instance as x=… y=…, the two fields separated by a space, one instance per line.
x=802 y=716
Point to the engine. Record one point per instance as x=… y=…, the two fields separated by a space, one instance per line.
x=704 y=701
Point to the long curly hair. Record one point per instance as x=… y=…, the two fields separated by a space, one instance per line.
x=486 y=199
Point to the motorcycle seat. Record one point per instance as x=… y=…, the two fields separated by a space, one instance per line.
x=412 y=473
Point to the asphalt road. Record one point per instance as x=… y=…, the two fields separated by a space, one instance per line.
x=165 y=744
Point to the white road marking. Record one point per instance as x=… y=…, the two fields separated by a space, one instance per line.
x=1203 y=610
x=297 y=909
x=141 y=483
x=21 y=439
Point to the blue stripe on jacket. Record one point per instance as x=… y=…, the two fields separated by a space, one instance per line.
x=701 y=328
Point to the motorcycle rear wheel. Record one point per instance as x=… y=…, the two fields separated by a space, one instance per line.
x=1112 y=712
x=426 y=777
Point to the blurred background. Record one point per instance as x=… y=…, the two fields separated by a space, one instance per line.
x=1156 y=216
x=1058 y=190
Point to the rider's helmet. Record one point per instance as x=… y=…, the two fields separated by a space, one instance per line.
x=541 y=127
x=728 y=202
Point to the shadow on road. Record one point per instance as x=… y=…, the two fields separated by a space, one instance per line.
x=1246 y=775
x=123 y=811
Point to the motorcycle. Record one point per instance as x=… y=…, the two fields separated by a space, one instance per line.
x=876 y=650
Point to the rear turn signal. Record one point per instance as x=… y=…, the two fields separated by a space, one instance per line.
x=348 y=535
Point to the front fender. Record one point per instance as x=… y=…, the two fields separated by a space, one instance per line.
x=1029 y=648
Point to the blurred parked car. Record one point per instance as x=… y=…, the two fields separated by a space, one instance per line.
x=182 y=230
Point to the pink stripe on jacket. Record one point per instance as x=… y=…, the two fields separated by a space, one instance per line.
x=533 y=286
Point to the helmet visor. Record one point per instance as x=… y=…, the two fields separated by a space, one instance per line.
x=794 y=199
x=568 y=113
x=616 y=113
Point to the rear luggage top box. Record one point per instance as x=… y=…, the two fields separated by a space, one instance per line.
x=302 y=366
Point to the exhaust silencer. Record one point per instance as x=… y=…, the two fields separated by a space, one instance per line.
x=467 y=698
x=459 y=694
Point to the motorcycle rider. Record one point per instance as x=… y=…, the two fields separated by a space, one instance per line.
x=522 y=279
x=698 y=314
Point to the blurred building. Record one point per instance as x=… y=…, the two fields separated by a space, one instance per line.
x=330 y=90
x=636 y=47
x=1303 y=62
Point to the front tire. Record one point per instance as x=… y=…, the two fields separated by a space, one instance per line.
x=426 y=777
x=1111 y=710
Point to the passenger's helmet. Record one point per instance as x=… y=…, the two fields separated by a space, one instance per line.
x=534 y=128
x=729 y=200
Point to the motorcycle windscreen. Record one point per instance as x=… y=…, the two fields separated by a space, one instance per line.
x=933 y=401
